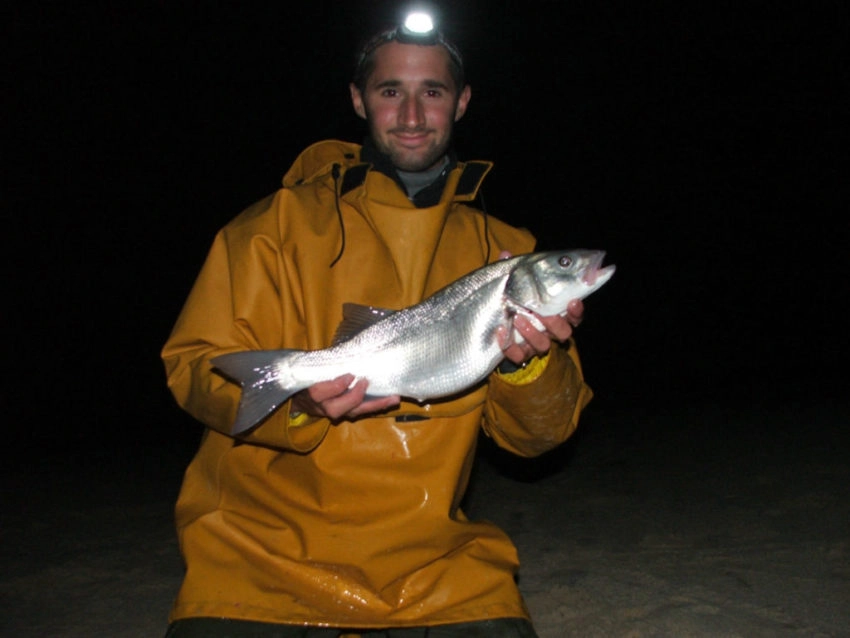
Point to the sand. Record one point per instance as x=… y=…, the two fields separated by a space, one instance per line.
x=688 y=521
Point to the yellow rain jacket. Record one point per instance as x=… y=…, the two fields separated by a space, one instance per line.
x=354 y=524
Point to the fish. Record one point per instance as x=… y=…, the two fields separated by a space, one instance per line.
x=434 y=349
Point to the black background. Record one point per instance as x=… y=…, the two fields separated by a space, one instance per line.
x=703 y=147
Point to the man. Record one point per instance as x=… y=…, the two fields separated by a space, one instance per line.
x=339 y=514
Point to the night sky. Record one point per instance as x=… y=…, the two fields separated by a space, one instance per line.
x=702 y=146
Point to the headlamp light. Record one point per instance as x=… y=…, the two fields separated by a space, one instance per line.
x=417 y=28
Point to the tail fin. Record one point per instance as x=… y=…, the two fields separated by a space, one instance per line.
x=257 y=371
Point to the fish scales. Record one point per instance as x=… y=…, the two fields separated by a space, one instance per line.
x=437 y=348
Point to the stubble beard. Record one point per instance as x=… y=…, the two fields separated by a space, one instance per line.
x=412 y=162
x=418 y=163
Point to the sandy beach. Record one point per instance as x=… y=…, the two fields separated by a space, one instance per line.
x=719 y=521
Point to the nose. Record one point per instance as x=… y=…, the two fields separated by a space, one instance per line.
x=411 y=114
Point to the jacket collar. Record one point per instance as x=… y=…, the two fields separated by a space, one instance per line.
x=372 y=159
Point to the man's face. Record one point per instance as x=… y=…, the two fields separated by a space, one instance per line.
x=411 y=103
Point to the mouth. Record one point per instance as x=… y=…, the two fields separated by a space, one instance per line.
x=411 y=139
x=595 y=275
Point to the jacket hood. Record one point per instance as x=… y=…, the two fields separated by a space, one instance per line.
x=318 y=159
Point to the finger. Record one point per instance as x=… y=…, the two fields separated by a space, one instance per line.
x=344 y=403
x=375 y=405
x=503 y=338
x=505 y=254
x=506 y=343
x=559 y=328
x=325 y=390
x=575 y=312
x=517 y=353
x=539 y=342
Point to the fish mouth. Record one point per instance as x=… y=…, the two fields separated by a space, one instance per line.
x=594 y=275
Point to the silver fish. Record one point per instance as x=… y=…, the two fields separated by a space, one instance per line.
x=436 y=348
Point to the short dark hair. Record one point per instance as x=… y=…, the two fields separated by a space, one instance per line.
x=365 y=60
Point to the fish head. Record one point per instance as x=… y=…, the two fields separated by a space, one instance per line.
x=546 y=282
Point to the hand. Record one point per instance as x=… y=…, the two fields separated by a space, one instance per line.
x=537 y=339
x=338 y=398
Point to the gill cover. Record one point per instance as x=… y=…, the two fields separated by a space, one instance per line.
x=539 y=281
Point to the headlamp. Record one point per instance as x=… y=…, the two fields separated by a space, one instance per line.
x=418 y=28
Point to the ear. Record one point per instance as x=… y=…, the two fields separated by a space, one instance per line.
x=357 y=100
x=462 y=102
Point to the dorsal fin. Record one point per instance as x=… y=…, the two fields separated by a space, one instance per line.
x=356 y=318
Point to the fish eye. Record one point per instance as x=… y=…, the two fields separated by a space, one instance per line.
x=565 y=261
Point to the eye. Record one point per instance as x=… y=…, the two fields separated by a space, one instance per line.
x=565 y=261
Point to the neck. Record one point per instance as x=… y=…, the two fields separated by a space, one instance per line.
x=416 y=181
x=427 y=193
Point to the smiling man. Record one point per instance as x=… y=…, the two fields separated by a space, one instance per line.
x=339 y=514
x=411 y=103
